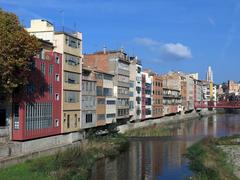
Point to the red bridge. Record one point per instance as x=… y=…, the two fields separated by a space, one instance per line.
x=217 y=104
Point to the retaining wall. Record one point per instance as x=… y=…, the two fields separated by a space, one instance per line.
x=165 y=119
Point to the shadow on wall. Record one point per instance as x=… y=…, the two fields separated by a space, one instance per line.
x=36 y=88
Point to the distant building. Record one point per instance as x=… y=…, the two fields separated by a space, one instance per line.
x=209 y=76
x=37 y=110
x=157 y=86
x=146 y=96
x=233 y=87
x=190 y=93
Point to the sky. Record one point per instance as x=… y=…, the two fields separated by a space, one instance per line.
x=166 y=35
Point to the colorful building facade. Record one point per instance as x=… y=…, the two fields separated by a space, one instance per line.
x=37 y=110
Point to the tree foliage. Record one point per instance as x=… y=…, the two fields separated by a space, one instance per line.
x=17 y=49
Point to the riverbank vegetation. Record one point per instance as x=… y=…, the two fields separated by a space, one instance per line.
x=74 y=163
x=209 y=161
x=150 y=131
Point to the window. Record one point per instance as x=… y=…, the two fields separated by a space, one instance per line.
x=16 y=116
x=75 y=120
x=101 y=117
x=131 y=84
x=57 y=60
x=38 y=115
x=71 y=96
x=111 y=102
x=42 y=89
x=56 y=122
x=42 y=54
x=107 y=92
x=72 y=60
x=43 y=68
x=71 y=78
x=123 y=112
x=139 y=69
x=32 y=65
x=148 y=101
x=68 y=121
x=57 y=77
x=88 y=118
x=101 y=101
x=148 y=111
x=138 y=89
x=131 y=105
x=131 y=94
x=51 y=69
x=99 y=76
x=111 y=115
x=50 y=89
x=99 y=91
x=30 y=88
x=57 y=97
x=108 y=77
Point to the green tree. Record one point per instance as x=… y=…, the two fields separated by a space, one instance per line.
x=17 y=49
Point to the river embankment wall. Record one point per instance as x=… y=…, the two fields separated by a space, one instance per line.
x=166 y=119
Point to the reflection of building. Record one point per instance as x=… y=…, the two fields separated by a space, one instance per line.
x=37 y=110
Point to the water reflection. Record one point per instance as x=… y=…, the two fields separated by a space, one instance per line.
x=162 y=158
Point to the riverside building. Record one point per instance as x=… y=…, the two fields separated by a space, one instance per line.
x=37 y=109
x=69 y=44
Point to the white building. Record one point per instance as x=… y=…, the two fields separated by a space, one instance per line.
x=135 y=90
x=147 y=96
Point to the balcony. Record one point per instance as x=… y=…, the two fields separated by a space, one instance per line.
x=123 y=84
x=123 y=72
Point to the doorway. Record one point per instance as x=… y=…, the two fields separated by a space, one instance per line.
x=2 y=117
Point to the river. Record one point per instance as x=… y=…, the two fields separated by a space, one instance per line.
x=155 y=158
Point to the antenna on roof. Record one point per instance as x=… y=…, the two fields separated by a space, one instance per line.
x=75 y=26
x=62 y=14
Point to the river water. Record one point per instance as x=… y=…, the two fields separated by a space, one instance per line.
x=163 y=157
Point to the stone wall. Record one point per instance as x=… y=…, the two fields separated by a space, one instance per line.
x=22 y=150
x=165 y=119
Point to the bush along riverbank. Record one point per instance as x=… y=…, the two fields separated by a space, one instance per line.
x=150 y=131
x=209 y=161
x=74 y=163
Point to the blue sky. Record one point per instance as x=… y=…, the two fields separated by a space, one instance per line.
x=182 y=35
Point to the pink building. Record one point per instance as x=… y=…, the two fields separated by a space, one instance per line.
x=37 y=110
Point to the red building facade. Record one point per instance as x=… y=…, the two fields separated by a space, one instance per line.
x=37 y=113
